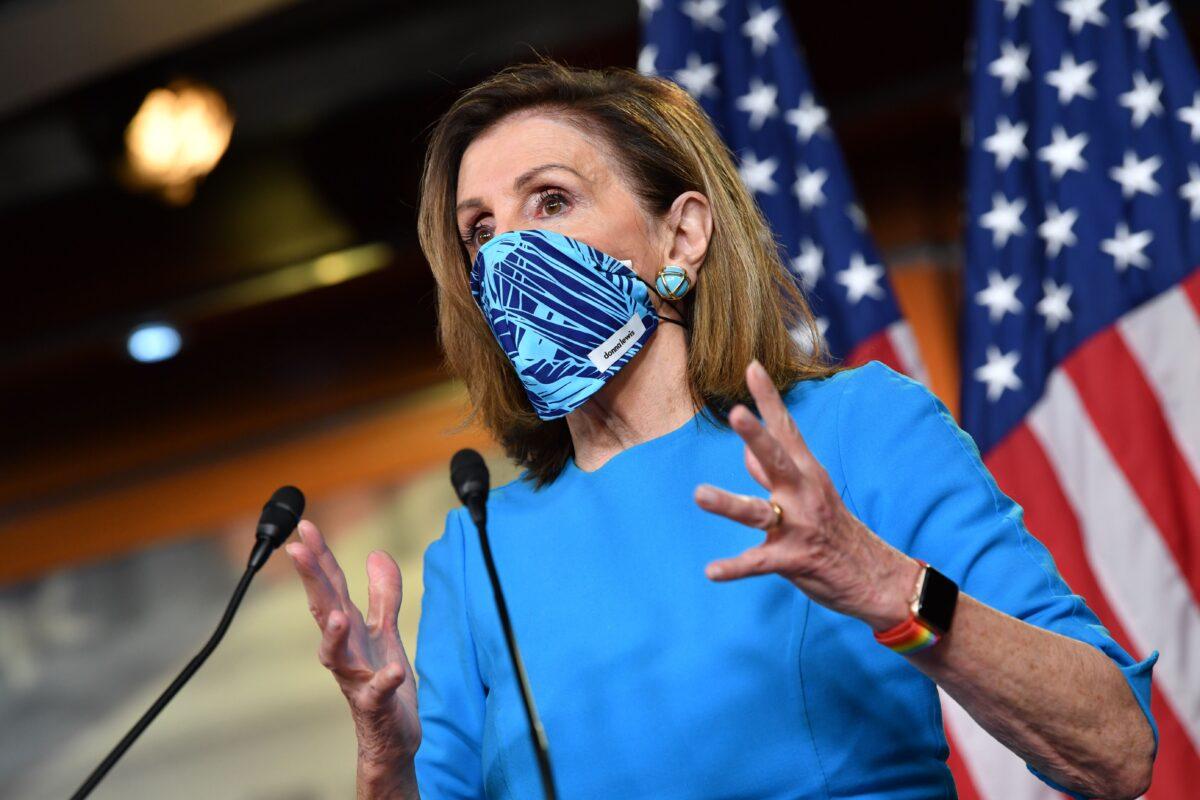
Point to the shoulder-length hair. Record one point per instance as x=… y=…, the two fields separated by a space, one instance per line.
x=745 y=304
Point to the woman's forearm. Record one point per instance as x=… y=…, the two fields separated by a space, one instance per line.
x=1062 y=705
x=392 y=781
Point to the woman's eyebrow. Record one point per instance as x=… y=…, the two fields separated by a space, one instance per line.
x=529 y=174
x=524 y=178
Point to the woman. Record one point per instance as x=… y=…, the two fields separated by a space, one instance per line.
x=663 y=665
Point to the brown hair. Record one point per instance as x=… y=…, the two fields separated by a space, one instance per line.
x=745 y=301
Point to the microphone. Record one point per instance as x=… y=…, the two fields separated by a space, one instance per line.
x=469 y=476
x=279 y=518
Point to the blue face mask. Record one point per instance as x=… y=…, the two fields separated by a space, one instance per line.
x=567 y=315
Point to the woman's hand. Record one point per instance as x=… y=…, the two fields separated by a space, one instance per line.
x=818 y=545
x=365 y=656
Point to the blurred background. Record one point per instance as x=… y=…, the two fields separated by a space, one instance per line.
x=213 y=287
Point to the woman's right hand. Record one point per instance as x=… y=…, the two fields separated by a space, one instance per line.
x=365 y=656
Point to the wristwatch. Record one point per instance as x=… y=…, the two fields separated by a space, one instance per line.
x=931 y=611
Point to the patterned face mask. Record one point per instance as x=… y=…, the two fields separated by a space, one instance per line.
x=567 y=315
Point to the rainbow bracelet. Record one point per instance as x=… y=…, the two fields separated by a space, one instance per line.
x=912 y=635
x=909 y=636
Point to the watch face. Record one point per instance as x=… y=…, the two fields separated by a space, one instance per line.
x=939 y=595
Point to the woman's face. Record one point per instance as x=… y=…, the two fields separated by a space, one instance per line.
x=532 y=170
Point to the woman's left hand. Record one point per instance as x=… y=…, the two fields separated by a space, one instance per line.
x=818 y=544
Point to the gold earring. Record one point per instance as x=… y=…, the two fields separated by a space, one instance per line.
x=672 y=282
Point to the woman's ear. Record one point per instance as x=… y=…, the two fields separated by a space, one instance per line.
x=689 y=227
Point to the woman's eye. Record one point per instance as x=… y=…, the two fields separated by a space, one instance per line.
x=553 y=204
x=482 y=235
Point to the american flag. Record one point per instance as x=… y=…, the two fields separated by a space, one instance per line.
x=741 y=62
x=1081 y=336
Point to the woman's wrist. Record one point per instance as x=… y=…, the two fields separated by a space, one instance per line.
x=893 y=591
x=394 y=779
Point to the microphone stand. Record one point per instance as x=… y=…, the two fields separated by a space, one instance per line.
x=278 y=520
x=478 y=510
x=184 y=676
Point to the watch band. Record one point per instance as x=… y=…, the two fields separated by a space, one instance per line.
x=931 y=610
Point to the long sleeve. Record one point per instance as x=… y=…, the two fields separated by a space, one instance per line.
x=916 y=479
x=450 y=692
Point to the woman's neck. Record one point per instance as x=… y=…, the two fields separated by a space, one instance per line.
x=647 y=398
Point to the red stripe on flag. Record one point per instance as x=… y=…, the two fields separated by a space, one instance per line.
x=1130 y=420
x=877 y=347
x=963 y=782
x=1191 y=287
x=1024 y=473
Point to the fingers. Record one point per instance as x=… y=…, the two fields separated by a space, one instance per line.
x=755 y=469
x=322 y=597
x=384 y=682
x=779 y=468
x=774 y=411
x=753 y=511
x=754 y=561
x=332 y=652
x=384 y=591
x=314 y=541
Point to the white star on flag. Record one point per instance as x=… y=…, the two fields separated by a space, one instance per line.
x=759 y=102
x=704 y=13
x=1136 y=176
x=1072 y=80
x=1147 y=21
x=1000 y=296
x=1053 y=305
x=759 y=176
x=808 y=117
x=857 y=216
x=808 y=187
x=1011 y=67
x=861 y=279
x=1064 y=153
x=999 y=373
x=803 y=335
x=697 y=77
x=1190 y=191
x=1143 y=99
x=760 y=28
x=1082 y=12
x=1007 y=143
x=1056 y=230
x=646 y=60
x=810 y=264
x=1191 y=116
x=1126 y=248
x=646 y=8
x=1004 y=220
x=1013 y=7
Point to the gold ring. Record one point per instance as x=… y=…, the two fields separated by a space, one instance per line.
x=778 y=516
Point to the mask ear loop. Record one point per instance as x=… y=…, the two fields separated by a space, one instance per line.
x=680 y=323
x=669 y=304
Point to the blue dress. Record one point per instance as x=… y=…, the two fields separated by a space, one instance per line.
x=654 y=682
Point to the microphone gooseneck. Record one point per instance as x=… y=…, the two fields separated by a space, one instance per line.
x=469 y=476
x=279 y=518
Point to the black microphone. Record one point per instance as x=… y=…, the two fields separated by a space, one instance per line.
x=278 y=519
x=471 y=481
x=470 y=478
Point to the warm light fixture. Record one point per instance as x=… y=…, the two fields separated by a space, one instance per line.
x=176 y=138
